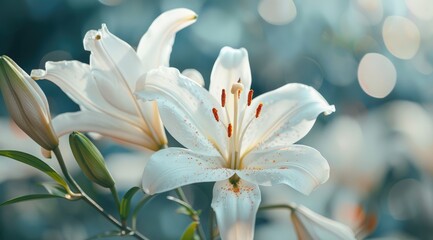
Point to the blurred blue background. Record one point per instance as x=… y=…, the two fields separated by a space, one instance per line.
x=372 y=59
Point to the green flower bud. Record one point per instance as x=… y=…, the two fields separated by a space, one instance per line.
x=90 y=160
x=27 y=104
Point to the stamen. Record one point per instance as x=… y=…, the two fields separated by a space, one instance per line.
x=259 y=109
x=250 y=96
x=239 y=80
x=229 y=130
x=98 y=37
x=215 y=114
x=223 y=98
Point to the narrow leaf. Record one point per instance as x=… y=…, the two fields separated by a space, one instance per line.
x=125 y=204
x=189 y=233
x=36 y=163
x=55 y=189
x=58 y=190
x=186 y=208
x=29 y=198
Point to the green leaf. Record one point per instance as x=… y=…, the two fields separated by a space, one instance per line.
x=36 y=163
x=29 y=198
x=55 y=189
x=125 y=204
x=113 y=233
x=186 y=208
x=189 y=233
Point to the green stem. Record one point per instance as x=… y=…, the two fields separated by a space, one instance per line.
x=211 y=224
x=137 y=209
x=181 y=194
x=90 y=201
x=116 y=197
x=290 y=207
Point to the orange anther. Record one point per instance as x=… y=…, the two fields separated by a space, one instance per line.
x=223 y=98
x=250 y=96
x=259 y=109
x=229 y=130
x=215 y=114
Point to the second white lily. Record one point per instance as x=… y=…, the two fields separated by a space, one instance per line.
x=104 y=88
x=233 y=139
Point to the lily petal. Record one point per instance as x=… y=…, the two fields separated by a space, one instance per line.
x=301 y=167
x=236 y=209
x=194 y=75
x=185 y=109
x=288 y=114
x=170 y=168
x=88 y=121
x=113 y=57
x=76 y=80
x=310 y=225
x=155 y=46
x=231 y=65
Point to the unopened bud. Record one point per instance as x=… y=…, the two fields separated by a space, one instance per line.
x=27 y=104
x=90 y=160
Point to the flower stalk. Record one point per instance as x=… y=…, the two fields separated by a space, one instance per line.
x=126 y=230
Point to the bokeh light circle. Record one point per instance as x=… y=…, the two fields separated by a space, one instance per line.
x=422 y=9
x=401 y=37
x=376 y=75
x=277 y=12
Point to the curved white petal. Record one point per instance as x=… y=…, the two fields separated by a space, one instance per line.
x=87 y=121
x=287 y=115
x=76 y=80
x=151 y=114
x=155 y=46
x=231 y=65
x=301 y=167
x=115 y=67
x=236 y=209
x=194 y=75
x=310 y=225
x=174 y=167
x=186 y=110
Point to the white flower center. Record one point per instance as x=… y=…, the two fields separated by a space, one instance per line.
x=235 y=130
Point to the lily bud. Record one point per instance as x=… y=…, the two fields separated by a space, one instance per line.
x=27 y=104
x=90 y=160
x=310 y=225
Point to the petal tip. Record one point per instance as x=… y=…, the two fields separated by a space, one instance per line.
x=330 y=110
x=37 y=74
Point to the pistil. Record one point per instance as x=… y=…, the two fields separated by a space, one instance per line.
x=236 y=91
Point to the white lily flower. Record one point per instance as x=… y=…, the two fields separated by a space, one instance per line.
x=104 y=89
x=232 y=139
x=310 y=225
x=27 y=104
